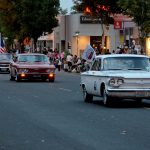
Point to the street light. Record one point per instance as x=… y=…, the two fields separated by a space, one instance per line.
x=77 y=35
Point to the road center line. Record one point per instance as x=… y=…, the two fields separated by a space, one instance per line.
x=68 y=90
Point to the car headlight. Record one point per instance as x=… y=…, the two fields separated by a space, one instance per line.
x=112 y=82
x=23 y=70
x=120 y=81
x=116 y=81
x=48 y=70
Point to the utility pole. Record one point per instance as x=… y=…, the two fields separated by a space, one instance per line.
x=77 y=36
x=142 y=27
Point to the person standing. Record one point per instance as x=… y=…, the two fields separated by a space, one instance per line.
x=59 y=64
x=69 y=61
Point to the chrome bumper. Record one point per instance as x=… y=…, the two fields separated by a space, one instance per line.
x=129 y=93
x=4 y=68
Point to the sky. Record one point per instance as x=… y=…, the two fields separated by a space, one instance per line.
x=66 y=4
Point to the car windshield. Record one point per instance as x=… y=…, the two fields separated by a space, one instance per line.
x=126 y=63
x=32 y=58
x=5 y=57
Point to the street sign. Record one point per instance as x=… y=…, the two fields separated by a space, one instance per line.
x=117 y=24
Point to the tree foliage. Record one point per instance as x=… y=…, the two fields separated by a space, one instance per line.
x=63 y=11
x=8 y=24
x=31 y=18
x=140 y=11
x=100 y=8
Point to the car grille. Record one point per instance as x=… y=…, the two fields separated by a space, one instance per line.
x=4 y=65
x=37 y=70
x=136 y=83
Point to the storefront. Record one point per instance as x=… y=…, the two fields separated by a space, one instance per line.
x=46 y=41
x=75 y=31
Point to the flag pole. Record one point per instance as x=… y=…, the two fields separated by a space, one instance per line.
x=0 y=39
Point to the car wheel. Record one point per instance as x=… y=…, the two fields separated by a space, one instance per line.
x=87 y=97
x=106 y=98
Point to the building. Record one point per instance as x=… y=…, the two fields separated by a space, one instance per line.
x=46 y=40
x=75 y=31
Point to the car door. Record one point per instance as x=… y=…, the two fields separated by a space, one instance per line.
x=95 y=76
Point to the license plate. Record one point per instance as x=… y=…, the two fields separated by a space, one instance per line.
x=141 y=94
x=37 y=76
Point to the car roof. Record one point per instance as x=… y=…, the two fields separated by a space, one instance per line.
x=120 y=55
x=5 y=53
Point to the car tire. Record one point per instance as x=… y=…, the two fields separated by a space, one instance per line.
x=88 y=98
x=106 y=98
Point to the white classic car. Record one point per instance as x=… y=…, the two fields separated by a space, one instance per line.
x=123 y=76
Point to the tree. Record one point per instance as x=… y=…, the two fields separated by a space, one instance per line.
x=139 y=10
x=8 y=17
x=38 y=16
x=29 y=18
x=101 y=8
x=63 y=11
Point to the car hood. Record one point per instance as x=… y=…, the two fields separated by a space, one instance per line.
x=34 y=65
x=5 y=62
x=128 y=74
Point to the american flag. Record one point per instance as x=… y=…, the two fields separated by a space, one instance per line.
x=2 y=45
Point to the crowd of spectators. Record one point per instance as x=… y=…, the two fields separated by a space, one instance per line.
x=65 y=61
x=72 y=63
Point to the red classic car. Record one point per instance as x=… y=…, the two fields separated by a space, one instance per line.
x=32 y=66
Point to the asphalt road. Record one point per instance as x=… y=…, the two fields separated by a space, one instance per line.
x=37 y=115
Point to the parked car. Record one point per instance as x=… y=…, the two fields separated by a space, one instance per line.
x=5 y=60
x=122 y=76
x=32 y=66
